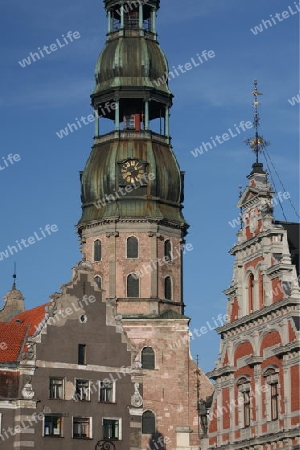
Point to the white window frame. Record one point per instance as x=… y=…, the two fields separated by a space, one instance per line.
x=91 y=427
x=113 y=391
x=61 y=426
x=88 y=389
x=100 y=278
x=63 y=388
x=126 y=247
x=120 y=426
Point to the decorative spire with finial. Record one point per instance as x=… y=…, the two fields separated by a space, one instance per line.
x=14 y=287
x=257 y=143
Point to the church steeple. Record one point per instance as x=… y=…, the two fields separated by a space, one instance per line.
x=255 y=202
x=14 y=302
x=132 y=186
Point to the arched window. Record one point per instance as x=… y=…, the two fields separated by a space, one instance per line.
x=168 y=251
x=148 y=358
x=148 y=422
x=133 y=285
x=98 y=282
x=97 y=250
x=168 y=288
x=132 y=247
x=251 y=292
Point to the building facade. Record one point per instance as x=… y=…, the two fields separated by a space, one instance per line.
x=67 y=374
x=132 y=234
x=256 y=399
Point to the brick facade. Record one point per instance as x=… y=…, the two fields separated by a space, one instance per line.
x=255 y=404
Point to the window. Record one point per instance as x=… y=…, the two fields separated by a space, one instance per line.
x=131 y=20
x=148 y=358
x=53 y=426
x=132 y=247
x=133 y=286
x=251 y=292
x=274 y=401
x=168 y=288
x=246 y=403
x=168 y=250
x=82 y=428
x=97 y=250
x=83 y=390
x=81 y=354
x=112 y=429
x=98 y=282
x=106 y=391
x=148 y=422
x=56 y=388
x=129 y=122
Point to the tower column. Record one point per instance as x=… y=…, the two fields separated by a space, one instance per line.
x=147 y=115
x=141 y=16
x=167 y=122
x=117 y=115
x=122 y=16
x=153 y=21
x=96 y=123
x=109 y=22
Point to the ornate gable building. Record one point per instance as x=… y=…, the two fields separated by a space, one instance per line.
x=256 y=399
x=132 y=234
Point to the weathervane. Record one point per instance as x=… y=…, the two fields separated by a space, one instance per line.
x=14 y=275
x=257 y=143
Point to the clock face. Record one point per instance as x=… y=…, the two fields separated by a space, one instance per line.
x=132 y=171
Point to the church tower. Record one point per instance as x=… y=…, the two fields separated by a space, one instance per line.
x=256 y=399
x=132 y=228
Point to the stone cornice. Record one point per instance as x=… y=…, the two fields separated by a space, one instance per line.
x=255 y=239
x=257 y=314
x=117 y=220
x=276 y=270
x=283 y=349
x=217 y=373
x=259 y=440
x=253 y=360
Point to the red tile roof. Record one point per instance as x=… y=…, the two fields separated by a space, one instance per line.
x=32 y=317
x=13 y=334
x=12 y=340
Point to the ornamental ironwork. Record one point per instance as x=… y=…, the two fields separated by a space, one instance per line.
x=105 y=445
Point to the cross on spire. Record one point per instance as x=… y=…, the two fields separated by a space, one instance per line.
x=257 y=143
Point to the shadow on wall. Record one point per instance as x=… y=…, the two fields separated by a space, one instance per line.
x=156 y=442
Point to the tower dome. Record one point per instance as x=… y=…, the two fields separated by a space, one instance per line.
x=132 y=171
x=158 y=194
x=131 y=62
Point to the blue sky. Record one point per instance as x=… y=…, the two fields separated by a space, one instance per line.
x=38 y=100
